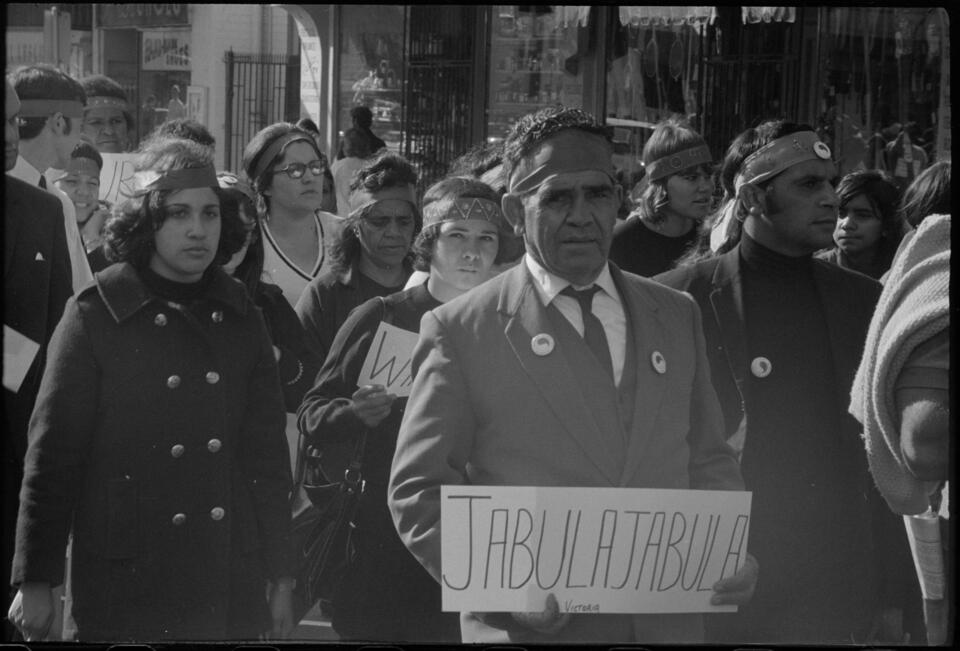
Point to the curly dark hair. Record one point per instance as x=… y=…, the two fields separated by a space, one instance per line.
x=386 y=171
x=533 y=128
x=251 y=267
x=130 y=231
x=448 y=189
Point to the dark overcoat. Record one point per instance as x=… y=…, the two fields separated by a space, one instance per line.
x=158 y=432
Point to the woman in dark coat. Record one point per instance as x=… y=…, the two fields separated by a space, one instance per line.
x=386 y=594
x=158 y=435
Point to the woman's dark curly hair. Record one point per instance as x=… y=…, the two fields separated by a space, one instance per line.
x=130 y=231
x=386 y=171
x=449 y=189
x=232 y=202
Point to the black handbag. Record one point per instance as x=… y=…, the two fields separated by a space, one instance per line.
x=323 y=533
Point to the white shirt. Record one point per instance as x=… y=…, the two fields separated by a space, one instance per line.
x=283 y=272
x=607 y=307
x=79 y=266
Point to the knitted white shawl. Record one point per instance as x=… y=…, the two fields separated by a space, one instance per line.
x=914 y=306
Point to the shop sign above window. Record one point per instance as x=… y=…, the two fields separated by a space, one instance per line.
x=166 y=50
x=694 y=16
x=142 y=15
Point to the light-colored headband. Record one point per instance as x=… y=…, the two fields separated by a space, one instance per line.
x=42 y=108
x=677 y=162
x=457 y=209
x=570 y=150
x=362 y=199
x=105 y=101
x=179 y=179
x=776 y=156
x=276 y=148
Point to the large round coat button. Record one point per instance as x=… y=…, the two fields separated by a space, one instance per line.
x=179 y=519
x=177 y=451
x=217 y=513
x=160 y=320
x=214 y=445
x=173 y=381
x=213 y=377
x=217 y=316
x=761 y=367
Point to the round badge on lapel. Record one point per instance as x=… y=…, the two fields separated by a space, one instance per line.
x=761 y=367
x=542 y=344
x=659 y=363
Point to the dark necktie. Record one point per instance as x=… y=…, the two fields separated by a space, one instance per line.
x=43 y=182
x=593 y=332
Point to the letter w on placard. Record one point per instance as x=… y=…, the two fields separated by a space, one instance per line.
x=389 y=360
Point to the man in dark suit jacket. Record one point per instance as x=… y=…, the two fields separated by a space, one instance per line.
x=37 y=284
x=516 y=385
x=784 y=335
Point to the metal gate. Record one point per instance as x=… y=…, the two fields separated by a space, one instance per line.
x=261 y=89
x=437 y=104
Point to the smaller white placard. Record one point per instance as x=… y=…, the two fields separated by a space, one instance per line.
x=389 y=360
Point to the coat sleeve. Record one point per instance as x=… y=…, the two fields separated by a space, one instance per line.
x=59 y=442
x=309 y=310
x=435 y=439
x=713 y=464
x=266 y=460
x=326 y=414
x=297 y=363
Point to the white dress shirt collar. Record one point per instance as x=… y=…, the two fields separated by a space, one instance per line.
x=549 y=284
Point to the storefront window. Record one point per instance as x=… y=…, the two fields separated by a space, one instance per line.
x=885 y=93
x=371 y=67
x=535 y=61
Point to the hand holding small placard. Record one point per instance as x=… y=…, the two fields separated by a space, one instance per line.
x=598 y=550
x=389 y=361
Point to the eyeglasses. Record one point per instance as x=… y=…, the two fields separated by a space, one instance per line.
x=297 y=170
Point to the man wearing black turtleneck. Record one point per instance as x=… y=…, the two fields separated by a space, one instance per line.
x=784 y=334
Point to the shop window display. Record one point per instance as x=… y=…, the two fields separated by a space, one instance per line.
x=885 y=93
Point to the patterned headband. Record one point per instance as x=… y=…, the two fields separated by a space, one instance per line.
x=457 y=209
x=105 y=101
x=776 y=156
x=677 y=162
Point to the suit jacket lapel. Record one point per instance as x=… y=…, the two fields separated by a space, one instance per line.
x=646 y=330
x=551 y=373
x=726 y=298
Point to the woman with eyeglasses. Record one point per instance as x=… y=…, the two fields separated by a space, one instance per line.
x=371 y=255
x=671 y=200
x=387 y=595
x=287 y=170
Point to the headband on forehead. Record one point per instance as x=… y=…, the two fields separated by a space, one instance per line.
x=361 y=199
x=81 y=165
x=457 y=209
x=276 y=148
x=179 y=179
x=42 y=108
x=105 y=101
x=570 y=150
x=228 y=181
x=777 y=155
x=677 y=162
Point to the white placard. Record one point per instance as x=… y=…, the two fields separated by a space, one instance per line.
x=388 y=362
x=117 y=177
x=597 y=550
x=18 y=354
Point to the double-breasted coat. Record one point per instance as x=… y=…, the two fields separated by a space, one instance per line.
x=486 y=408
x=158 y=434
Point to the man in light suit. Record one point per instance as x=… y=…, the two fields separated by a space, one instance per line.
x=36 y=286
x=515 y=385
